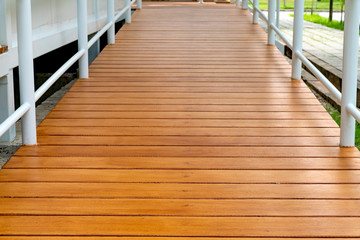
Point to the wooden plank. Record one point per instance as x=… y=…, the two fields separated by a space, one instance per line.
x=150 y=238
x=193 y=95
x=189 y=115
x=186 y=151
x=181 y=176
x=155 y=84
x=179 y=207
x=273 y=126
x=189 y=108
x=179 y=190
x=179 y=226
x=100 y=140
x=334 y=163
x=170 y=101
x=208 y=79
x=190 y=89
x=189 y=131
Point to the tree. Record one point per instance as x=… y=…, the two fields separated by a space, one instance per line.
x=331 y=10
x=342 y=2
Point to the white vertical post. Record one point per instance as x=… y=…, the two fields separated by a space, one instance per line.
x=26 y=70
x=83 y=38
x=110 y=18
x=96 y=45
x=244 y=4
x=128 y=12
x=255 y=12
x=7 y=103
x=350 y=71
x=277 y=13
x=139 y=4
x=238 y=3
x=271 y=21
x=297 y=38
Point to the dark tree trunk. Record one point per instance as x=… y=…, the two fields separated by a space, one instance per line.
x=331 y=10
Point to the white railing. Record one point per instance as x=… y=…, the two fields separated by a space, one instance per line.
x=347 y=98
x=28 y=96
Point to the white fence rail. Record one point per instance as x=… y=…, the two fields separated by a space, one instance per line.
x=28 y=96
x=347 y=98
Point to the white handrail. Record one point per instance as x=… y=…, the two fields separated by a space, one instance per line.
x=333 y=90
x=350 y=108
x=119 y=14
x=13 y=118
x=281 y=35
x=99 y=34
x=46 y=85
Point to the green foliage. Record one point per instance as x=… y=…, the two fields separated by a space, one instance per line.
x=315 y=18
x=323 y=4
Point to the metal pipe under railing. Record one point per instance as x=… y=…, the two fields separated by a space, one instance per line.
x=333 y=90
x=14 y=117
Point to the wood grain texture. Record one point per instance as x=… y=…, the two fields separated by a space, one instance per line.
x=189 y=128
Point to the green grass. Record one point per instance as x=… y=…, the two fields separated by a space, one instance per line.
x=323 y=4
x=315 y=18
x=336 y=115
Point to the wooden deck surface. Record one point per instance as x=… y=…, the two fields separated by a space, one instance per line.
x=189 y=128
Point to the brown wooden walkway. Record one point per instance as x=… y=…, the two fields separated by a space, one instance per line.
x=188 y=127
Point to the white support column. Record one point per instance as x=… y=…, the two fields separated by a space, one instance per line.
x=277 y=13
x=245 y=5
x=26 y=70
x=277 y=21
x=138 y=4
x=271 y=21
x=96 y=45
x=128 y=12
x=350 y=71
x=7 y=105
x=83 y=38
x=255 y=12
x=238 y=3
x=110 y=18
x=297 y=38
